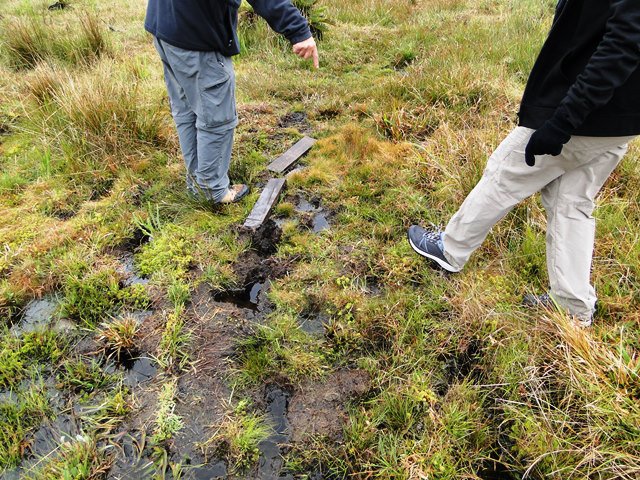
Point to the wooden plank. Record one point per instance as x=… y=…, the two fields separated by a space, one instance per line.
x=282 y=163
x=265 y=203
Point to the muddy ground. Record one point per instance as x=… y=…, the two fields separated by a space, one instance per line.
x=218 y=321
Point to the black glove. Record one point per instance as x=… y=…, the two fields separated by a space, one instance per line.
x=547 y=140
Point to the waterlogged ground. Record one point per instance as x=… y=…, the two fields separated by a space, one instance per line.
x=145 y=334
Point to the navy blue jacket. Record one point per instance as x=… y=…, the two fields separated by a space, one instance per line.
x=586 y=80
x=211 y=25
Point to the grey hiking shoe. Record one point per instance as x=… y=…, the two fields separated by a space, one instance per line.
x=581 y=322
x=235 y=194
x=545 y=301
x=429 y=244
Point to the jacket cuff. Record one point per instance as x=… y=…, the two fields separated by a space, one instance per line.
x=555 y=126
x=300 y=35
x=560 y=122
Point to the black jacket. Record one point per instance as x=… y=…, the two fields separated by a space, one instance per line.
x=586 y=80
x=211 y=25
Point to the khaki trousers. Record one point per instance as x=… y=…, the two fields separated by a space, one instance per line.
x=569 y=184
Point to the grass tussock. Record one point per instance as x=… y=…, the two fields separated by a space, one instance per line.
x=27 y=42
x=238 y=436
x=101 y=115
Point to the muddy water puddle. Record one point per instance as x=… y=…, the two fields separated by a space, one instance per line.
x=271 y=459
x=39 y=314
x=314 y=324
x=319 y=217
x=136 y=369
x=249 y=298
x=127 y=269
x=311 y=214
x=217 y=471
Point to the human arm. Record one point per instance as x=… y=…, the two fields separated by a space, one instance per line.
x=284 y=18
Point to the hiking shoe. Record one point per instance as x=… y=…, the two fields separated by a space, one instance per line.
x=545 y=301
x=429 y=244
x=581 y=322
x=538 y=301
x=235 y=194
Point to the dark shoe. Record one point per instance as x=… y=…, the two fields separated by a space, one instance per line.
x=235 y=194
x=538 y=301
x=429 y=245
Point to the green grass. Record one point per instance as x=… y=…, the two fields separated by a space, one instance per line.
x=239 y=435
x=412 y=97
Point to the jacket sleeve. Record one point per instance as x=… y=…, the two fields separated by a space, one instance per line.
x=614 y=61
x=284 y=18
x=561 y=4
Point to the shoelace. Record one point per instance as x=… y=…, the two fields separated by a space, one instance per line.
x=432 y=237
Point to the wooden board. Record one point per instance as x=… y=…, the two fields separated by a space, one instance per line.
x=265 y=203
x=282 y=163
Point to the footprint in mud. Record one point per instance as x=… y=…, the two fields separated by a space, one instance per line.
x=297 y=120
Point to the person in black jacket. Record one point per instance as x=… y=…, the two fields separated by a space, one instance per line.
x=195 y=40
x=580 y=109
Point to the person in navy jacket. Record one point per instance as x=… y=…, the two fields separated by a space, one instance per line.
x=196 y=40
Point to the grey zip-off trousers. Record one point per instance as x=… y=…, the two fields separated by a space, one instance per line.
x=201 y=87
x=569 y=184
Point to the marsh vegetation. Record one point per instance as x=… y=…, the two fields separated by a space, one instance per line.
x=146 y=336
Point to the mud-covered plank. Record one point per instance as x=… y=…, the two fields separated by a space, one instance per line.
x=280 y=164
x=265 y=203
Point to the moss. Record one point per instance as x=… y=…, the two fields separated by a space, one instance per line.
x=91 y=298
x=12 y=369
x=134 y=297
x=170 y=252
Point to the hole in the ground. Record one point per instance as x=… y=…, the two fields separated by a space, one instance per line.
x=137 y=239
x=63 y=215
x=464 y=363
x=294 y=119
x=61 y=5
x=247 y=298
x=494 y=469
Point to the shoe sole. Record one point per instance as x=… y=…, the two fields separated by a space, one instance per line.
x=441 y=263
